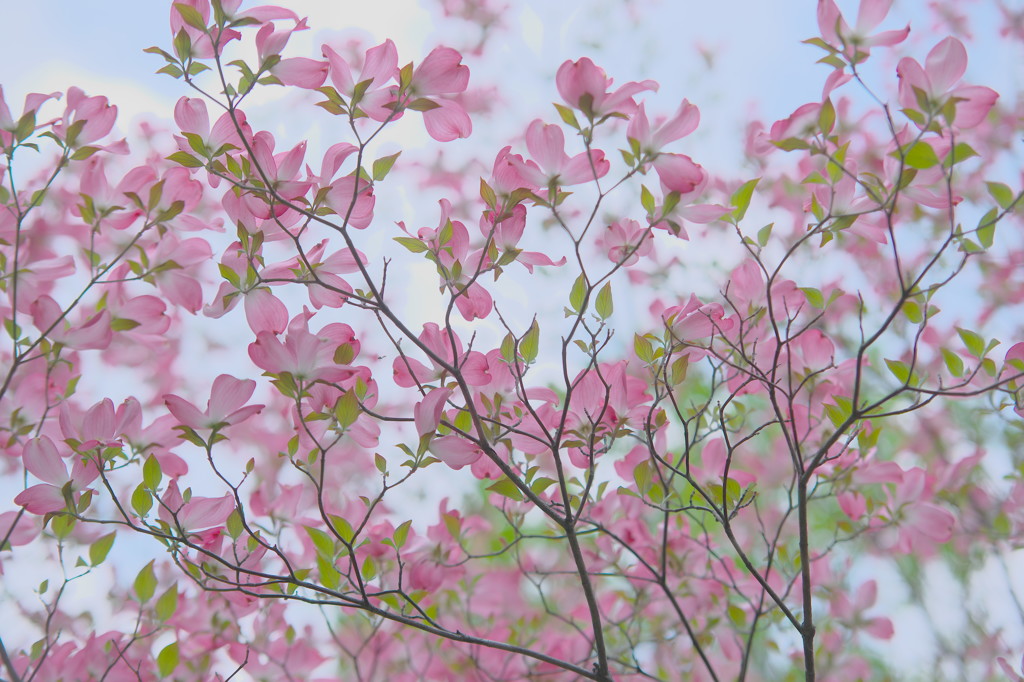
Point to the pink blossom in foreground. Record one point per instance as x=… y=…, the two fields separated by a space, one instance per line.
x=584 y=86
x=939 y=80
x=455 y=451
x=198 y=514
x=438 y=77
x=652 y=139
x=306 y=356
x=547 y=148
x=380 y=66
x=43 y=461
x=225 y=407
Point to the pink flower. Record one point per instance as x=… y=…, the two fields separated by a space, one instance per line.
x=380 y=66
x=627 y=241
x=354 y=205
x=100 y=425
x=42 y=460
x=428 y=411
x=938 y=81
x=8 y=124
x=199 y=513
x=547 y=147
x=678 y=173
x=440 y=75
x=695 y=320
x=852 y=43
x=191 y=116
x=651 y=140
x=92 y=333
x=86 y=119
x=455 y=451
x=307 y=357
x=225 y=407
x=584 y=86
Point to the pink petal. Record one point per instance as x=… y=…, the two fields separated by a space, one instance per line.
x=946 y=64
x=265 y=312
x=41 y=499
x=301 y=72
x=185 y=412
x=41 y=458
x=447 y=122
x=871 y=14
x=228 y=394
x=455 y=451
x=428 y=411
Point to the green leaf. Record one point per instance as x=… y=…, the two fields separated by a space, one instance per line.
x=142 y=500
x=920 y=155
x=975 y=344
x=541 y=484
x=604 y=304
x=190 y=15
x=954 y=363
x=827 y=117
x=487 y=194
x=647 y=199
x=792 y=144
x=323 y=542
x=567 y=115
x=347 y=409
x=182 y=48
x=900 y=370
x=642 y=476
x=913 y=311
x=578 y=294
x=185 y=159
x=814 y=297
x=987 y=228
x=508 y=348
x=530 y=344
x=99 y=549
x=343 y=528
x=234 y=523
x=145 y=583
x=344 y=354
x=62 y=525
x=402 y=534
x=382 y=166
x=764 y=234
x=961 y=152
x=679 y=367
x=167 y=604
x=167 y=659
x=413 y=244
x=1001 y=193
x=151 y=474
x=643 y=348
x=507 y=488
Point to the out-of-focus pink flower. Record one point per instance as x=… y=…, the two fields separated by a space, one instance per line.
x=837 y=33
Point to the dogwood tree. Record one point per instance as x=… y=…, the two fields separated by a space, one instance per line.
x=642 y=421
